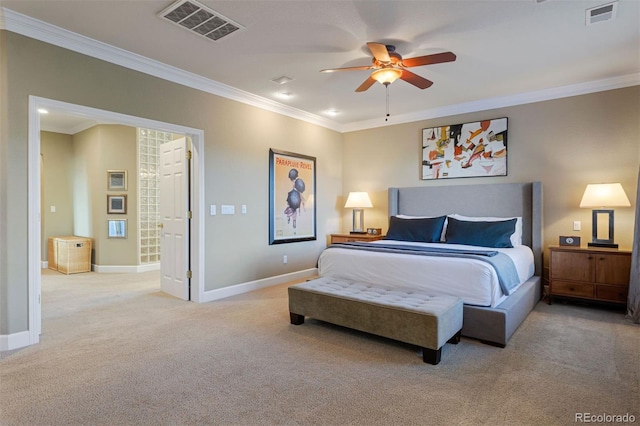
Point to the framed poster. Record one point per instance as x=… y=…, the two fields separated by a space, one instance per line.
x=116 y=180
x=116 y=204
x=117 y=228
x=292 y=190
x=465 y=150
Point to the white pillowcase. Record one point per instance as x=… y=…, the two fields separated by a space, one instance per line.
x=516 y=237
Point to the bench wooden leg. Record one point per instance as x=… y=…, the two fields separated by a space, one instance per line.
x=456 y=338
x=431 y=356
x=296 y=319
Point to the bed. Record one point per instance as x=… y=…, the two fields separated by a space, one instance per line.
x=492 y=312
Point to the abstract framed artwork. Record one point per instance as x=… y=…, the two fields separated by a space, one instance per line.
x=465 y=150
x=117 y=180
x=116 y=204
x=292 y=190
x=117 y=228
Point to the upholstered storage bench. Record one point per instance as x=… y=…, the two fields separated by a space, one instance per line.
x=400 y=314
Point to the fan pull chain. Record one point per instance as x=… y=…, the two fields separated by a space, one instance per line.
x=387 y=87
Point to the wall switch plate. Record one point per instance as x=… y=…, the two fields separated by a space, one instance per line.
x=577 y=225
x=285 y=259
x=227 y=209
x=244 y=209
x=212 y=210
x=53 y=209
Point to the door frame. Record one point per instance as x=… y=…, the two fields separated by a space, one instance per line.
x=196 y=242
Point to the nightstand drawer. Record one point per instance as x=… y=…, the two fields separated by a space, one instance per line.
x=336 y=239
x=569 y=288
x=612 y=293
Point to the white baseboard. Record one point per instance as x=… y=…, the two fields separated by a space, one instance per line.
x=9 y=342
x=221 y=293
x=126 y=269
x=116 y=269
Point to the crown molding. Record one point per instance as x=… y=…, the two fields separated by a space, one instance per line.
x=48 y=33
x=502 y=102
x=43 y=31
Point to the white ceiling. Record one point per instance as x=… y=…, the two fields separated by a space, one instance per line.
x=506 y=50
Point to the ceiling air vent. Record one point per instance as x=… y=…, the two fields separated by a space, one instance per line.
x=606 y=12
x=199 y=19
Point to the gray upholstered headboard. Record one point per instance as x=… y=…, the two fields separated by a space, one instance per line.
x=501 y=200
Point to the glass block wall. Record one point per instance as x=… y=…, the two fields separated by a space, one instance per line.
x=149 y=142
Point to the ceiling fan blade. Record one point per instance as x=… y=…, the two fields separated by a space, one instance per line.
x=437 y=58
x=365 y=67
x=379 y=51
x=415 y=79
x=367 y=83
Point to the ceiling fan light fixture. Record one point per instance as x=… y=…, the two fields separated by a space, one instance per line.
x=386 y=75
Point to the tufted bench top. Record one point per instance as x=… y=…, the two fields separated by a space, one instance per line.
x=406 y=299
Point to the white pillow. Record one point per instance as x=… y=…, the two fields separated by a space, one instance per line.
x=516 y=237
x=444 y=227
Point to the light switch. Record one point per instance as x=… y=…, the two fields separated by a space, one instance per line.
x=244 y=209
x=53 y=209
x=212 y=210
x=577 y=226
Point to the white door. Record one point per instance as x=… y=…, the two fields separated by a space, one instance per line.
x=174 y=225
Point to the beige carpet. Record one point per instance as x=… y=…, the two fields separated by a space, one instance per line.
x=116 y=351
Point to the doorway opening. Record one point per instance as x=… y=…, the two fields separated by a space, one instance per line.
x=193 y=245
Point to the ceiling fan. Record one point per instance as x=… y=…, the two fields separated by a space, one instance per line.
x=389 y=66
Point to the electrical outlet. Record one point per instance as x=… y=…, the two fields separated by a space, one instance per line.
x=244 y=209
x=577 y=225
x=212 y=210
x=284 y=259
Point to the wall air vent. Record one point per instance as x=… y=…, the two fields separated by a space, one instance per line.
x=200 y=20
x=603 y=13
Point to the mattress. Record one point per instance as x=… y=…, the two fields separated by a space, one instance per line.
x=474 y=281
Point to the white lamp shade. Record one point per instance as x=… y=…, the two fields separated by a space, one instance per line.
x=604 y=195
x=358 y=200
x=386 y=75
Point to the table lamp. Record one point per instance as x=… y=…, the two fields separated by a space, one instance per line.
x=603 y=195
x=358 y=201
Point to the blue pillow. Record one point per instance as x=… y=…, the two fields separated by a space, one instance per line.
x=485 y=234
x=422 y=230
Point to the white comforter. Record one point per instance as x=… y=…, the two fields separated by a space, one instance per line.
x=475 y=281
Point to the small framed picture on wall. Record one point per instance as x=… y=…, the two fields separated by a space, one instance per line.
x=117 y=228
x=117 y=204
x=117 y=180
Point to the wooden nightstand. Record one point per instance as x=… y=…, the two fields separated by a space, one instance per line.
x=347 y=238
x=597 y=274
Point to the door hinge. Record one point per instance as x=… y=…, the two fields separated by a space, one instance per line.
x=189 y=274
x=189 y=214
x=189 y=154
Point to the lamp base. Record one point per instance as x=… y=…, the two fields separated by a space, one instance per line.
x=606 y=245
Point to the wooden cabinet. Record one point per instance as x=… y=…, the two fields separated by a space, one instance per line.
x=347 y=238
x=589 y=273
